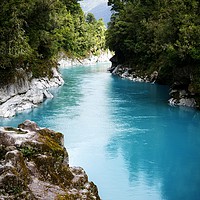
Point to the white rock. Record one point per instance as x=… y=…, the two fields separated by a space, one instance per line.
x=19 y=86
x=25 y=94
x=116 y=69
x=189 y=102
x=47 y=94
x=67 y=62
x=172 y=102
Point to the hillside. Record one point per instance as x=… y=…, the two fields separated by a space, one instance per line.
x=99 y=8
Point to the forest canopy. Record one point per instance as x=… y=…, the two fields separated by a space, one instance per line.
x=161 y=35
x=33 y=32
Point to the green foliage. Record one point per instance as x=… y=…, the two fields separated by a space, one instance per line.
x=163 y=35
x=90 y=18
x=87 y=35
x=28 y=152
x=16 y=190
x=6 y=76
x=32 y=32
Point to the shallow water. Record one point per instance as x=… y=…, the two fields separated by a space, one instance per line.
x=131 y=143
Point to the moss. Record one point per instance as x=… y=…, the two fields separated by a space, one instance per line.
x=16 y=130
x=56 y=136
x=49 y=143
x=28 y=152
x=2 y=152
x=53 y=171
x=52 y=142
x=48 y=155
x=20 y=169
x=12 y=184
x=16 y=190
x=67 y=197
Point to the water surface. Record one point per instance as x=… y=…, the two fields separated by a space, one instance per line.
x=131 y=143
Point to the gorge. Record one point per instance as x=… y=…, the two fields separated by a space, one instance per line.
x=131 y=143
x=126 y=131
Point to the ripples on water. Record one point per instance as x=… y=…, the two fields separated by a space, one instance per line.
x=131 y=143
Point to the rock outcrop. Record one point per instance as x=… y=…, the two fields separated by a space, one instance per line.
x=68 y=62
x=180 y=92
x=25 y=93
x=34 y=166
x=181 y=96
x=129 y=73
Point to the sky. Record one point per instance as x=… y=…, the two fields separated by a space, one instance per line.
x=88 y=5
x=99 y=8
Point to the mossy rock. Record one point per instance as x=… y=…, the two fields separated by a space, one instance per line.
x=16 y=160
x=28 y=152
x=54 y=171
x=51 y=143
x=2 y=152
x=47 y=142
x=55 y=136
x=15 y=130
x=67 y=197
x=39 y=158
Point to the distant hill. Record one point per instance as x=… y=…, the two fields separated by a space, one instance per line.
x=99 y=8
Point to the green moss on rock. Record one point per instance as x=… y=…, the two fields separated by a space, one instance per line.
x=51 y=144
x=54 y=171
x=16 y=130
x=35 y=166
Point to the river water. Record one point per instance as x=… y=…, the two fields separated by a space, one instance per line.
x=131 y=143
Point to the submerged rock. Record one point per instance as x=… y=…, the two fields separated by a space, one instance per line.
x=34 y=165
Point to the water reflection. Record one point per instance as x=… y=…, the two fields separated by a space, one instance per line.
x=159 y=143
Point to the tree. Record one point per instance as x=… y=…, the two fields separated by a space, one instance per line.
x=32 y=32
x=90 y=18
x=155 y=34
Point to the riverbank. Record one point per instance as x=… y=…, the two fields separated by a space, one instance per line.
x=35 y=165
x=179 y=92
x=26 y=92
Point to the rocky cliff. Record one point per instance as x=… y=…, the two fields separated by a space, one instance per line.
x=34 y=166
x=24 y=92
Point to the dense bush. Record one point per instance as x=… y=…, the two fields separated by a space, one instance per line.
x=157 y=35
x=32 y=32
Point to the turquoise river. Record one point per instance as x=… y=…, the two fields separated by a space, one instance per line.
x=131 y=143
